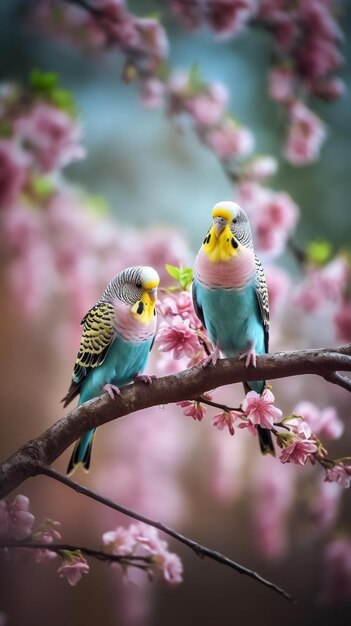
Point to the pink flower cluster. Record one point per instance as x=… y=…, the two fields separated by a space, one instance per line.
x=65 y=247
x=108 y=25
x=224 y=420
x=298 y=451
x=73 y=567
x=16 y=521
x=259 y=409
x=273 y=215
x=194 y=408
x=305 y=136
x=325 y=422
x=226 y=18
x=339 y=473
x=43 y=139
x=49 y=136
x=307 y=39
x=180 y=332
x=299 y=446
x=206 y=105
x=325 y=290
x=143 y=541
x=47 y=533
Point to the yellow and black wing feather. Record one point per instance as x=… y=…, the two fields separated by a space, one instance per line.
x=97 y=337
x=262 y=297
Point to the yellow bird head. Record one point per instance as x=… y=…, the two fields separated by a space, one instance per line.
x=230 y=231
x=148 y=281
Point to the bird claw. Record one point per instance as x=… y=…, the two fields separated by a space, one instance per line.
x=211 y=358
x=250 y=356
x=144 y=378
x=112 y=390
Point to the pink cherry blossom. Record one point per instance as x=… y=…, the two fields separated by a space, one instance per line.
x=325 y=422
x=331 y=89
x=339 y=473
x=224 y=420
x=121 y=541
x=151 y=46
x=180 y=304
x=273 y=215
x=152 y=92
x=74 y=565
x=322 y=285
x=260 y=409
x=209 y=105
x=281 y=83
x=143 y=540
x=228 y=17
x=228 y=139
x=193 y=409
x=259 y=168
x=15 y=519
x=171 y=566
x=179 y=337
x=47 y=533
x=299 y=426
x=306 y=134
x=14 y=164
x=51 y=135
x=298 y=452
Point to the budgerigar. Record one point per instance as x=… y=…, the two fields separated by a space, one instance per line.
x=117 y=337
x=230 y=294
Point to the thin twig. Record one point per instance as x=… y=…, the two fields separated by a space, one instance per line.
x=200 y=550
x=217 y=405
x=60 y=548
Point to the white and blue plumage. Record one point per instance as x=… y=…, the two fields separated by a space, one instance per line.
x=230 y=294
x=117 y=337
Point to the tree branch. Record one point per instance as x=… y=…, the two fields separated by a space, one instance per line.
x=200 y=550
x=38 y=453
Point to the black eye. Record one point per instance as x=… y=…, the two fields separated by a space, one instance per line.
x=138 y=284
x=235 y=220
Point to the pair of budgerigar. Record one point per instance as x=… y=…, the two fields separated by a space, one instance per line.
x=230 y=298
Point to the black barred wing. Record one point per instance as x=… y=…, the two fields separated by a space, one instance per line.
x=98 y=335
x=262 y=297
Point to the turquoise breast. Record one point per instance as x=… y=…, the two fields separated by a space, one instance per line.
x=123 y=362
x=232 y=318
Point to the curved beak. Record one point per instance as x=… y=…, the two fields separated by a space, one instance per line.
x=153 y=294
x=218 y=227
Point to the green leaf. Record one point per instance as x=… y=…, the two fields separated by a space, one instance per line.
x=63 y=99
x=173 y=271
x=46 y=86
x=185 y=277
x=98 y=205
x=42 y=187
x=195 y=81
x=5 y=129
x=43 y=82
x=319 y=252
